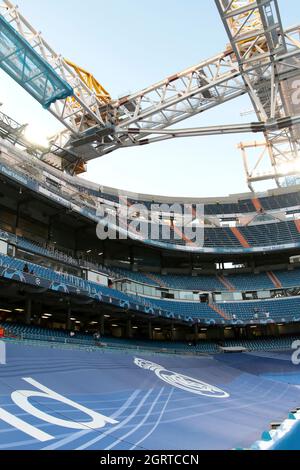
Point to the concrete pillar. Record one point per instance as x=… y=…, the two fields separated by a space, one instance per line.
x=28 y=307
x=68 y=322
x=172 y=331
x=102 y=329
x=150 y=332
x=128 y=328
x=131 y=256
x=196 y=332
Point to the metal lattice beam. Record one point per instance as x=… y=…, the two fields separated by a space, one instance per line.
x=256 y=36
x=77 y=113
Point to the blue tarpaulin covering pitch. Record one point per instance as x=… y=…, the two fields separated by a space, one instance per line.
x=52 y=398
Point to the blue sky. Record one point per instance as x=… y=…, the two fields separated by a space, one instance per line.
x=128 y=45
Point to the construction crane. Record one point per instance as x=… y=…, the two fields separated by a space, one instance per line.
x=262 y=61
x=263 y=51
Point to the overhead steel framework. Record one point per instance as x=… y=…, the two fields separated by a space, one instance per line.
x=262 y=60
x=14 y=132
x=270 y=65
x=81 y=107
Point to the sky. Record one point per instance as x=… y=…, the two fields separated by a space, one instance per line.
x=128 y=45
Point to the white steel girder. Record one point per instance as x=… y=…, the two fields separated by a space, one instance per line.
x=76 y=113
x=164 y=104
x=256 y=36
x=178 y=97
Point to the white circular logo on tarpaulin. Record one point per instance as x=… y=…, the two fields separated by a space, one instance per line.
x=183 y=382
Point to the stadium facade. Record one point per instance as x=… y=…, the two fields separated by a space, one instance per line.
x=243 y=275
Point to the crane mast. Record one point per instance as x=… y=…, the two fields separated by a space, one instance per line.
x=257 y=38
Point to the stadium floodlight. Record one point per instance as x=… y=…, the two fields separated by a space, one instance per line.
x=5 y=310
x=114 y=326
x=19 y=310
x=73 y=319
